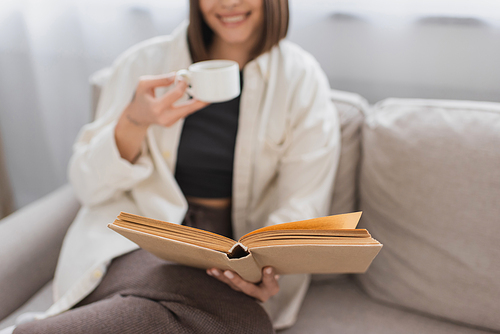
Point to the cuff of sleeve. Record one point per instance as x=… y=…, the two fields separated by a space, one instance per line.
x=113 y=169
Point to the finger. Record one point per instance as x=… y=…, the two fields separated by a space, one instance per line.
x=245 y=286
x=197 y=103
x=148 y=82
x=221 y=277
x=167 y=100
x=269 y=281
x=189 y=107
x=181 y=111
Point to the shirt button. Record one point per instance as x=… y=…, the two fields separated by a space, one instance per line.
x=166 y=154
x=97 y=274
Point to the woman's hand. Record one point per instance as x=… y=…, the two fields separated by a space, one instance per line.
x=262 y=291
x=146 y=109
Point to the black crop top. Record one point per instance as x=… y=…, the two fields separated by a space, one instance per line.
x=206 y=150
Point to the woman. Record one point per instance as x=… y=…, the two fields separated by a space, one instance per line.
x=269 y=156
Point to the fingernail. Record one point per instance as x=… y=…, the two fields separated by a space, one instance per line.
x=276 y=277
x=215 y=272
x=209 y=272
x=228 y=274
x=269 y=271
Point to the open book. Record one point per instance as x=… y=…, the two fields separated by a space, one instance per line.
x=322 y=245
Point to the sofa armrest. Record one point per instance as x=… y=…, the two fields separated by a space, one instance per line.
x=6 y=200
x=97 y=82
x=30 y=241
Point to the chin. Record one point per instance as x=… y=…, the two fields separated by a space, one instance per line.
x=235 y=38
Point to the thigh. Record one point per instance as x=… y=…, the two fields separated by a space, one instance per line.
x=140 y=288
x=118 y=314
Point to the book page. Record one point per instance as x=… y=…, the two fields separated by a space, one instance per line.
x=176 y=232
x=347 y=221
x=175 y=251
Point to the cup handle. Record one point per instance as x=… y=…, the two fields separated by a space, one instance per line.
x=186 y=76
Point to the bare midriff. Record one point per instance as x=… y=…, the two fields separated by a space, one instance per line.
x=219 y=203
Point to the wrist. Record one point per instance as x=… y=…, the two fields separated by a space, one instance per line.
x=132 y=122
x=128 y=127
x=129 y=138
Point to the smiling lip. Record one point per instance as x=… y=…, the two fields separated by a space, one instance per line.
x=233 y=19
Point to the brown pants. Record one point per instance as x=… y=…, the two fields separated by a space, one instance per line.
x=141 y=293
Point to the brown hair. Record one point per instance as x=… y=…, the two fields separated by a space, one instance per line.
x=200 y=35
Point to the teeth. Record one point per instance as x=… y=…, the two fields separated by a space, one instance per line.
x=233 y=19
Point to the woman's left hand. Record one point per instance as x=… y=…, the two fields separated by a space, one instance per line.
x=262 y=291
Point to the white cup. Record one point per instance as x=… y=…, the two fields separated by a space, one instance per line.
x=212 y=80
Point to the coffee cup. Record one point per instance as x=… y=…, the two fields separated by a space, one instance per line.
x=212 y=80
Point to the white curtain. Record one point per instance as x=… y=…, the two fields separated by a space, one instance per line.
x=49 y=48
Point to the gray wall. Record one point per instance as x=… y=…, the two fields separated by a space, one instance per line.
x=429 y=57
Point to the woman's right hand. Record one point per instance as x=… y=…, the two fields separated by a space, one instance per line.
x=146 y=109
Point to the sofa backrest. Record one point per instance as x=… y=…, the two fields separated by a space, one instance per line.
x=97 y=81
x=351 y=109
x=430 y=192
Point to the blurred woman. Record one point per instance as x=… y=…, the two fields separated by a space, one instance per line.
x=269 y=156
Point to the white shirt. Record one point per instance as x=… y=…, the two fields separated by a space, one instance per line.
x=286 y=155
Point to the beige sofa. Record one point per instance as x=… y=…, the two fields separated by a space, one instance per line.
x=426 y=175
x=6 y=202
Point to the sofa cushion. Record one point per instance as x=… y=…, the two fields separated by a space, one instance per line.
x=351 y=108
x=30 y=241
x=340 y=306
x=38 y=303
x=430 y=192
